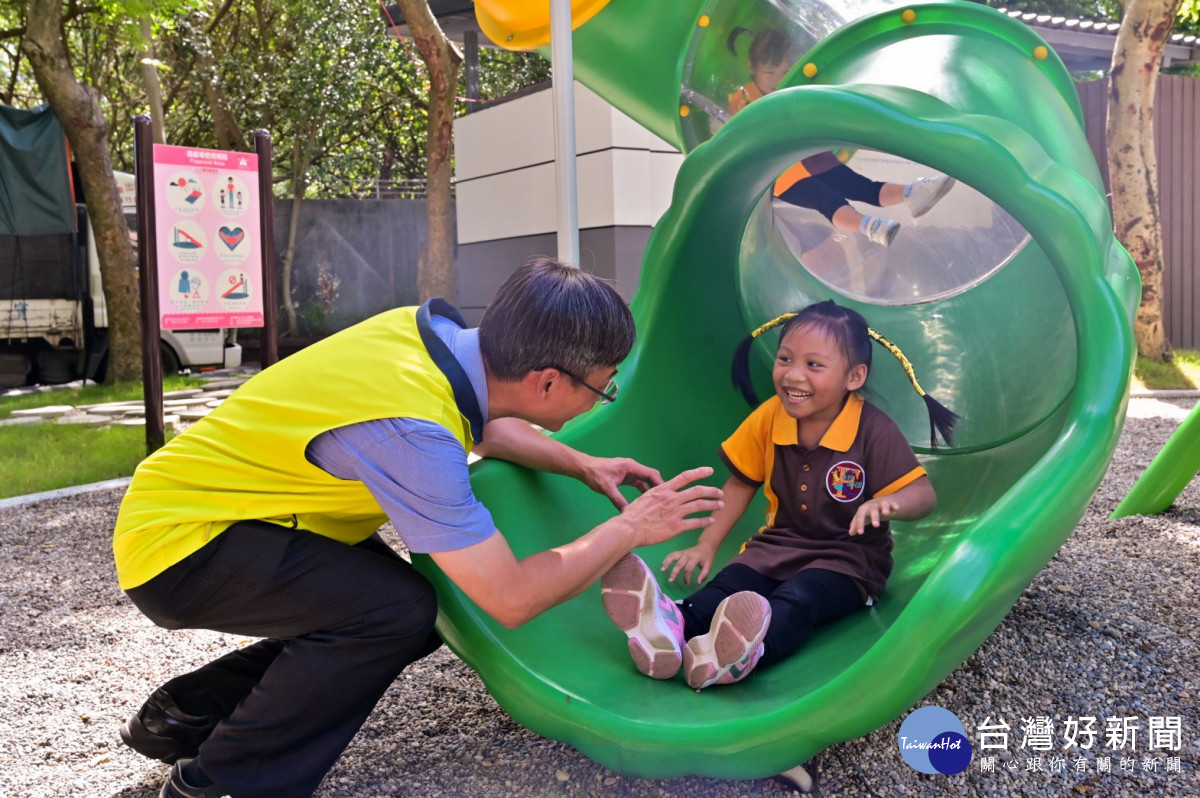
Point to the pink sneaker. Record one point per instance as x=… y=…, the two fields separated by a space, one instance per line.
x=648 y=618
x=733 y=645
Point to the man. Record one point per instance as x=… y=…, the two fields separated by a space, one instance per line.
x=260 y=520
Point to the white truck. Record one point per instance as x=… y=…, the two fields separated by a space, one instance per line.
x=53 y=318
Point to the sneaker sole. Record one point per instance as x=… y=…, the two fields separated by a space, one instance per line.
x=935 y=199
x=729 y=646
x=629 y=593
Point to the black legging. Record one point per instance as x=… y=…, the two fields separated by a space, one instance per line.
x=829 y=190
x=809 y=599
x=341 y=622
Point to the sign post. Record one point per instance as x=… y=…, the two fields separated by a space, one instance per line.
x=211 y=266
x=152 y=389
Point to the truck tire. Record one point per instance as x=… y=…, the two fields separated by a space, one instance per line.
x=55 y=367
x=170 y=360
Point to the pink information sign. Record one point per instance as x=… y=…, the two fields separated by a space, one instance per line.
x=210 y=269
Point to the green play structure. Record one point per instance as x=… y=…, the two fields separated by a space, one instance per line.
x=1168 y=473
x=1030 y=342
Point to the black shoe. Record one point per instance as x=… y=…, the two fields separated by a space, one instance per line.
x=177 y=786
x=163 y=731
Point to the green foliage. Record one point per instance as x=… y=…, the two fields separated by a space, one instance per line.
x=345 y=103
x=1074 y=9
x=1187 y=20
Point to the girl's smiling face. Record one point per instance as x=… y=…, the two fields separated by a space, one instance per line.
x=812 y=375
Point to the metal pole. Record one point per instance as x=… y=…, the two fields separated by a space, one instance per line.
x=471 y=62
x=269 y=340
x=563 y=78
x=152 y=374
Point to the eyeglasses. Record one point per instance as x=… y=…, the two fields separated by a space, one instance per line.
x=607 y=396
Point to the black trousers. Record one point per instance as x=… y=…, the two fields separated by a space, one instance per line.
x=828 y=191
x=340 y=622
x=809 y=599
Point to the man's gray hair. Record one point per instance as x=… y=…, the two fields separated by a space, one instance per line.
x=550 y=314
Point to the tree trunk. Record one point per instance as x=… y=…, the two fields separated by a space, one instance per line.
x=150 y=81
x=229 y=136
x=299 y=183
x=435 y=270
x=78 y=110
x=1133 y=163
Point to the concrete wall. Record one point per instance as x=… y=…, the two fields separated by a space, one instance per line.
x=506 y=214
x=370 y=246
x=505 y=191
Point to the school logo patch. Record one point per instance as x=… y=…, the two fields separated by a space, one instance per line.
x=846 y=481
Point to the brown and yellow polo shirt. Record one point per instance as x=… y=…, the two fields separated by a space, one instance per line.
x=812 y=494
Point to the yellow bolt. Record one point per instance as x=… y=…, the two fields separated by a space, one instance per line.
x=909 y=16
x=684 y=110
x=810 y=70
x=1041 y=52
x=703 y=21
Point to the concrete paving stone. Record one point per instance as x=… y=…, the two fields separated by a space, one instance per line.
x=47 y=411
x=99 y=407
x=194 y=414
x=83 y=418
x=224 y=393
x=185 y=393
x=182 y=402
x=131 y=421
x=215 y=403
x=217 y=385
x=108 y=410
x=24 y=420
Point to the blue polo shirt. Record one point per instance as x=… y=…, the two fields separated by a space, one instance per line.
x=416 y=469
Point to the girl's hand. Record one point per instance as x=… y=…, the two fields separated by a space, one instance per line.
x=688 y=560
x=873 y=511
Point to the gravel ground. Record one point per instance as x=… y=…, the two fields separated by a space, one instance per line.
x=1108 y=629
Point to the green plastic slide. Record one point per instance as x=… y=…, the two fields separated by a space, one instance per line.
x=1168 y=473
x=1012 y=300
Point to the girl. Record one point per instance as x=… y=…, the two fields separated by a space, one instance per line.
x=821 y=182
x=835 y=469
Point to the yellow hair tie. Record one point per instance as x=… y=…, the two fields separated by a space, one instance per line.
x=775 y=322
x=904 y=362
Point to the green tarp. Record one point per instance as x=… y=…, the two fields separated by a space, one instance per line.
x=35 y=177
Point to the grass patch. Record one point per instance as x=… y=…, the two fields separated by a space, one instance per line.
x=39 y=457
x=48 y=456
x=1183 y=373
x=91 y=394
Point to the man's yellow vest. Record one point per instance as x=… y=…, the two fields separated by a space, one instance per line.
x=246 y=460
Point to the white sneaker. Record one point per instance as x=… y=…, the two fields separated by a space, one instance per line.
x=650 y=620
x=879 y=230
x=733 y=644
x=921 y=195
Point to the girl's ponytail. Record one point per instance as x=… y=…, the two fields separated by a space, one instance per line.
x=941 y=418
x=731 y=40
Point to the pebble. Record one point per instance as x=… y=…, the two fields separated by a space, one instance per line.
x=1107 y=629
